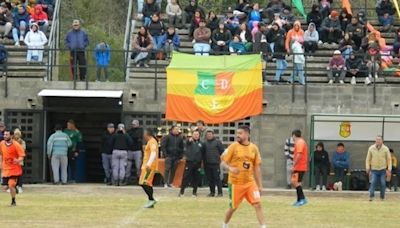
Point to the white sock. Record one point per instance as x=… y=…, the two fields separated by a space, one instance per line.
x=225 y=225
x=263 y=226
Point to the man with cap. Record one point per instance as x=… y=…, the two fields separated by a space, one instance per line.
x=212 y=160
x=336 y=68
x=120 y=144
x=331 y=31
x=76 y=41
x=135 y=152
x=106 y=152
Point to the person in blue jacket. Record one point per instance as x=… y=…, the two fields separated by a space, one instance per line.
x=103 y=56
x=170 y=41
x=341 y=162
x=20 y=24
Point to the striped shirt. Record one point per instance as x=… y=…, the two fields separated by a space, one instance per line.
x=289 y=148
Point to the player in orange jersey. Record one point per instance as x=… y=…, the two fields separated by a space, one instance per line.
x=300 y=166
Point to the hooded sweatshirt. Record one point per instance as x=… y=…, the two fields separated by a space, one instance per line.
x=121 y=141
x=355 y=29
x=225 y=36
x=173 y=9
x=38 y=14
x=311 y=36
x=294 y=33
x=330 y=23
x=35 y=39
x=315 y=16
x=149 y=9
x=103 y=56
x=298 y=49
x=58 y=144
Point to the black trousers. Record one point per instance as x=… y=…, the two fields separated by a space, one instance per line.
x=321 y=171
x=191 y=176
x=171 y=163
x=310 y=46
x=78 y=58
x=331 y=37
x=213 y=173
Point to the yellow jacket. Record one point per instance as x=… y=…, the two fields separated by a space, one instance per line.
x=378 y=159
x=394 y=161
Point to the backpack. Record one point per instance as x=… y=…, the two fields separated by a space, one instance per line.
x=359 y=180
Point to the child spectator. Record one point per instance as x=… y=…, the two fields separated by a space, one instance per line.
x=231 y=21
x=298 y=62
x=103 y=57
x=39 y=17
x=156 y=29
x=373 y=60
x=392 y=183
x=174 y=13
x=142 y=44
x=245 y=36
x=356 y=32
x=331 y=30
x=336 y=68
x=202 y=39
x=296 y=33
x=190 y=10
x=346 y=46
x=149 y=9
x=236 y=45
x=35 y=40
x=195 y=22
x=170 y=41
x=6 y=19
x=212 y=21
x=311 y=38
x=341 y=163
x=321 y=167
x=315 y=16
x=385 y=12
x=344 y=18
x=21 y=23
x=221 y=38
x=255 y=15
x=354 y=66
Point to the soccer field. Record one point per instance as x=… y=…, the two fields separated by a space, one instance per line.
x=101 y=206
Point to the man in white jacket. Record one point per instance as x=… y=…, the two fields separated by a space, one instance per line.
x=35 y=40
x=298 y=63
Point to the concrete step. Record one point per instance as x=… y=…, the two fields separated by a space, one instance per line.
x=25 y=74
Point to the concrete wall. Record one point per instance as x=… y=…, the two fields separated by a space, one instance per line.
x=269 y=130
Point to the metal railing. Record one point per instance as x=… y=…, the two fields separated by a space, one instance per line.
x=130 y=25
x=53 y=42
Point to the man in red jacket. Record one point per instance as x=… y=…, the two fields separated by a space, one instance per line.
x=40 y=17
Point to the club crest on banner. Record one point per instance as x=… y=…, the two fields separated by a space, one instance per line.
x=345 y=129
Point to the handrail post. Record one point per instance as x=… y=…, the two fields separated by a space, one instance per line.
x=374 y=72
x=293 y=71
x=156 y=81
x=73 y=63
x=87 y=67
x=305 y=80
x=5 y=67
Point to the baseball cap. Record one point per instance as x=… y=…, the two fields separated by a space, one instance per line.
x=135 y=122
x=334 y=14
x=337 y=52
x=121 y=126
x=110 y=125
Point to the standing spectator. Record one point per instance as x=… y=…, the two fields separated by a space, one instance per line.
x=18 y=137
x=385 y=12
x=106 y=152
x=212 y=160
x=156 y=29
x=190 y=10
x=354 y=67
x=341 y=163
x=255 y=15
x=120 y=144
x=202 y=39
x=321 y=166
x=296 y=33
x=378 y=165
x=48 y=7
x=221 y=39
x=76 y=139
x=149 y=9
x=311 y=38
x=35 y=40
x=345 y=19
x=103 y=57
x=336 y=68
x=172 y=146
x=260 y=44
x=396 y=45
x=142 y=45
x=299 y=61
x=201 y=127
x=195 y=23
x=245 y=36
x=135 y=152
x=275 y=35
x=40 y=17
x=6 y=21
x=231 y=21
x=391 y=182
x=356 y=31
x=20 y=25
x=315 y=16
x=346 y=46
x=58 y=146
x=174 y=13
x=331 y=30
x=212 y=21
x=170 y=41
x=288 y=149
x=76 y=41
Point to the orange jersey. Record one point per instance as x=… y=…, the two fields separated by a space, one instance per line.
x=9 y=153
x=147 y=151
x=245 y=158
x=300 y=149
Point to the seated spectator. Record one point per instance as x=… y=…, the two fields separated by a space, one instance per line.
x=243 y=8
x=142 y=44
x=273 y=6
x=170 y=41
x=103 y=56
x=345 y=19
x=202 y=39
x=195 y=22
x=277 y=19
x=396 y=44
x=48 y=7
x=220 y=39
x=156 y=29
x=20 y=25
x=311 y=38
x=341 y=163
x=315 y=16
x=325 y=6
x=279 y=53
x=174 y=13
x=245 y=36
x=6 y=19
x=255 y=29
x=346 y=46
x=354 y=66
x=231 y=22
x=331 y=30
x=385 y=12
x=190 y=11
x=149 y=9
x=362 y=18
x=254 y=15
x=3 y=59
x=275 y=35
x=39 y=17
x=321 y=167
x=296 y=33
x=392 y=183
x=236 y=45
x=288 y=18
x=260 y=44
x=356 y=32
x=336 y=68
x=212 y=21
x=35 y=40
x=298 y=62
x=373 y=60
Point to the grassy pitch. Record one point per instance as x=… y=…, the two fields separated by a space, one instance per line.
x=100 y=206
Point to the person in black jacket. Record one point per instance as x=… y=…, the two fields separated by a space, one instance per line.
x=190 y=10
x=221 y=38
x=149 y=8
x=274 y=36
x=385 y=12
x=135 y=152
x=194 y=152
x=156 y=29
x=212 y=160
x=212 y=21
x=315 y=16
x=172 y=147
x=321 y=166
x=106 y=152
x=355 y=67
x=120 y=144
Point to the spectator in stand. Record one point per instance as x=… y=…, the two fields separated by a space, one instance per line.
x=345 y=19
x=296 y=33
x=174 y=13
x=373 y=60
x=260 y=44
x=242 y=9
x=354 y=67
x=280 y=58
x=106 y=152
x=212 y=21
x=385 y=11
x=321 y=167
x=3 y=62
x=325 y=6
x=236 y=45
x=39 y=17
x=170 y=41
x=231 y=21
x=221 y=38
x=211 y=161
x=331 y=30
x=298 y=62
x=6 y=21
x=195 y=22
x=20 y=25
x=256 y=29
x=288 y=18
x=157 y=30
x=275 y=35
x=311 y=38
x=336 y=68
x=35 y=40
x=362 y=18
x=76 y=41
x=392 y=183
x=102 y=55
x=172 y=146
x=346 y=46
x=190 y=10
x=356 y=32
x=255 y=15
x=135 y=152
x=202 y=37
x=273 y=6
x=341 y=163
x=245 y=36
x=120 y=144
x=48 y=7
x=18 y=137
x=142 y=45
x=277 y=19
x=315 y=16
x=149 y=9
x=396 y=44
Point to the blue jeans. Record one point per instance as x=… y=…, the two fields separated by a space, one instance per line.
x=386 y=21
x=339 y=174
x=201 y=48
x=147 y=21
x=346 y=53
x=157 y=42
x=140 y=5
x=272 y=46
x=16 y=32
x=298 y=71
x=281 y=65
x=377 y=175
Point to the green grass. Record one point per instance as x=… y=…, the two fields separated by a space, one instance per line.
x=98 y=206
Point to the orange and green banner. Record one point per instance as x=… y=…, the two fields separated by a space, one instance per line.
x=215 y=89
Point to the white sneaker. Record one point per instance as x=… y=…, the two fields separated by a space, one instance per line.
x=20 y=190
x=353 y=81
x=376 y=75
x=323 y=188
x=165 y=186
x=341 y=82
x=146 y=65
x=225 y=225
x=367 y=81
x=388 y=190
x=317 y=188
x=370 y=75
x=320 y=42
x=21 y=38
x=17 y=44
x=330 y=82
x=340 y=186
x=335 y=186
x=8 y=190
